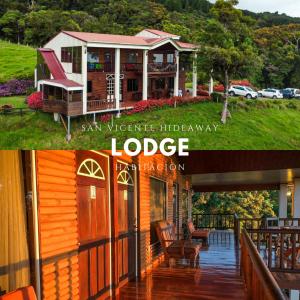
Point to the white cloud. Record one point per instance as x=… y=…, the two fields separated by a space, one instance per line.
x=290 y=7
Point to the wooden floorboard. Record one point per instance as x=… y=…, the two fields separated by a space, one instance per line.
x=217 y=277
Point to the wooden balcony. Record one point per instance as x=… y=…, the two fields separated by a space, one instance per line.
x=63 y=107
x=162 y=68
x=217 y=276
x=103 y=105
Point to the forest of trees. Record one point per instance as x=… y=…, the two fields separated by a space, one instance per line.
x=244 y=204
x=274 y=37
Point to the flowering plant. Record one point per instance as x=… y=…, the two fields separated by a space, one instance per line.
x=35 y=100
x=15 y=87
x=105 y=118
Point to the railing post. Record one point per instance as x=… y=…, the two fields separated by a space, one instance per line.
x=236 y=229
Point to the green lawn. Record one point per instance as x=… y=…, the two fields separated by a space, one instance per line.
x=249 y=128
x=16 y=101
x=16 y=61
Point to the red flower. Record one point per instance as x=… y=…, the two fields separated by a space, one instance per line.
x=105 y=118
x=35 y=100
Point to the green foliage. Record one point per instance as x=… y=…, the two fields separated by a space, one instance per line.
x=245 y=204
x=227 y=45
x=252 y=130
x=16 y=61
x=280 y=48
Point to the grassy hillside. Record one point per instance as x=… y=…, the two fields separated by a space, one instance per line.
x=253 y=128
x=16 y=61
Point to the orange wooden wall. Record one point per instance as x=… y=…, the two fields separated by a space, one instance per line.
x=56 y=189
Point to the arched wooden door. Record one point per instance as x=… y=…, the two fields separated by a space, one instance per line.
x=93 y=225
x=127 y=233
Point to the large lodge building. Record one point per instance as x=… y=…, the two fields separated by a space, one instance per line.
x=86 y=73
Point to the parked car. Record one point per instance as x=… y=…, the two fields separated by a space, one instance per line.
x=297 y=94
x=270 y=93
x=239 y=90
x=288 y=93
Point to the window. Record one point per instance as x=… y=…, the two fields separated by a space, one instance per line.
x=90 y=168
x=160 y=84
x=76 y=59
x=107 y=57
x=171 y=83
x=132 y=58
x=66 y=54
x=132 y=85
x=158 y=58
x=170 y=58
x=89 y=86
x=125 y=178
x=158 y=210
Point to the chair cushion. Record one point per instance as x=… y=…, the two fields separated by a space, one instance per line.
x=201 y=233
x=189 y=248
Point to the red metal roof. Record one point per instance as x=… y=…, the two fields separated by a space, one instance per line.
x=65 y=82
x=53 y=63
x=186 y=45
x=161 y=33
x=126 y=39
x=108 y=38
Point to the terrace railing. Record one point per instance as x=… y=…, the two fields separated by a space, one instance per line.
x=279 y=248
x=162 y=67
x=259 y=281
x=94 y=105
x=214 y=221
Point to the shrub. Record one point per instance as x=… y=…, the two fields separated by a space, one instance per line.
x=291 y=105
x=35 y=100
x=143 y=106
x=105 y=118
x=15 y=87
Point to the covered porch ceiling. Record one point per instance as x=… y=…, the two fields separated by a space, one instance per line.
x=240 y=170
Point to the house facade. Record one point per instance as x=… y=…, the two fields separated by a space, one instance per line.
x=85 y=73
x=89 y=219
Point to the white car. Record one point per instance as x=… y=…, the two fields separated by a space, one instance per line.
x=270 y=93
x=239 y=90
x=297 y=94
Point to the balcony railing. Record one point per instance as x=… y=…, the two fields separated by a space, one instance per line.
x=101 y=67
x=95 y=105
x=258 y=279
x=162 y=68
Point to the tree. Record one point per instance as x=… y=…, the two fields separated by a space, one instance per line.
x=12 y=25
x=280 y=48
x=227 y=46
x=245 y=204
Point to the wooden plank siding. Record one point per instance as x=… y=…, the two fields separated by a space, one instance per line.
x=58 y=216
x=56 y=177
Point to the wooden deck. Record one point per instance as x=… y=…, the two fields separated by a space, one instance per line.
x=216 y=278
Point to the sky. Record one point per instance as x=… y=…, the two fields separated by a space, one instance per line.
x=290 y=7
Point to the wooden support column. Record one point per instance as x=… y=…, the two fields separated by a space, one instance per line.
x=195 y=79
x=176 y=81
x=114 y=224
x=145 y=75
x=296 y=201
x=117 y=77
x=283 y=201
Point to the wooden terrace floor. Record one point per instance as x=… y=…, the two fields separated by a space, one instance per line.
x=216 y=278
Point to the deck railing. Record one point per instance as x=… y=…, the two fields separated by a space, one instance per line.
x=279 y=248
x=214 y=221
x=94 y=105
x=162 y=67
x=259 y=281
